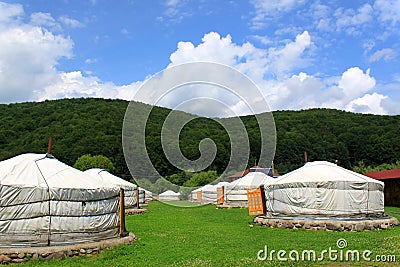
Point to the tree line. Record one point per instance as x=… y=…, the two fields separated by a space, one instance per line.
x=94 y=126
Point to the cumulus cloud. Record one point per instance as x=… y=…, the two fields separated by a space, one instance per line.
x=28 y=56
x=74 y=84
x=30 y=53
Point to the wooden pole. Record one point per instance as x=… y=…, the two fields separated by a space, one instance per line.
x=50 y=144
x=122 y=229
x=137 y=198
x=305 y=157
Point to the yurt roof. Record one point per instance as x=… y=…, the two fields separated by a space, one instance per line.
x=222 y=184
x=41 y=170
x=322 y=171
x=110 y=178
x=208 y=187
x=252 y=179
x=169 y=193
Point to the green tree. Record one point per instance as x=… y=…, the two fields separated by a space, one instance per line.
x=88 y=161
x=201 y=178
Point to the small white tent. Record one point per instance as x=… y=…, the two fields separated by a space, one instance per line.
x=324 y=189
x=169 y=195
x=236 y=192
x=209 y=194
x=144 y=196
x=129 y=188
x=45 y=202
x=193 y=194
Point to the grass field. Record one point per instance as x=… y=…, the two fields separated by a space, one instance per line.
x=206 y=236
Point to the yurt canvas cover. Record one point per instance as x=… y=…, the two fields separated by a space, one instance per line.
x=168 y=195
x=108 y=178
x=324 y=189
x=236 y=193
x=45 y=202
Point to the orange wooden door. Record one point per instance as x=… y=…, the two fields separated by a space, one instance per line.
x=256 y=201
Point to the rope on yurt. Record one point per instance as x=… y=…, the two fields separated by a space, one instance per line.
x=48 y=193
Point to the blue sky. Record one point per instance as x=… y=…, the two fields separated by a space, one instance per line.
x=301 y=54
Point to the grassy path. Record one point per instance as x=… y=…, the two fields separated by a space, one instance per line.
x=206 y=236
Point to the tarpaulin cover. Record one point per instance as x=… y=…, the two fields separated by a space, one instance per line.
x=45 y=202
x=129 y=188
x=236 y=193
x=324 y=189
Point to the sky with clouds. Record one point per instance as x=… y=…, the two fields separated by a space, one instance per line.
x=301 y=54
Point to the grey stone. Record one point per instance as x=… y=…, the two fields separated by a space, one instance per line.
x=21 y=255
x=332 y=225
x=58 y=255
x=359 y=226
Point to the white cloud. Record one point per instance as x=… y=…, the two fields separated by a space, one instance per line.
x=45 y=20
x=74 y=84
x=265 y=10
x=388 y=10
x=28 y=57
x=369 y=103
x=10 y=12
x=287 y=58
x=355 y=83
x=350 y=20
x=73 y=23
x=387 y=54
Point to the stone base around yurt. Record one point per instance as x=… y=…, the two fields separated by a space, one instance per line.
x=322 y=224
x=23 y=254
x=134 y=211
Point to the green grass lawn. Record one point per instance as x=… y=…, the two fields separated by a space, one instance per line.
x=206 y=236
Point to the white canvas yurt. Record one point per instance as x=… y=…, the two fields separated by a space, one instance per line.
x=236 y=192
x=168 y=195
x=148 y=196
x=130 y=189
x=209 y=194
x=45 y=202
x=144 y=195
x=323 y=189
x=194 y=195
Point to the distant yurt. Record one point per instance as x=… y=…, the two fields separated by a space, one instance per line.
x=168 y=195
x=208 y=194
x=194 y=195
x=235 y=194
x=323 y=189
x=46 y=203
x=130 y=189
x=144 y=196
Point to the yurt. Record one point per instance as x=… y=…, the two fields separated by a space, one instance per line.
x=144 y=195
x=208 y=194
x=194 y=195
x=235 y=194
x=168 y=195
x=148 y=196
x=44 y=202
x=129 y=188
x=323 y=189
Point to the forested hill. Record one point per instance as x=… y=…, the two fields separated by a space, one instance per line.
x=94 y=126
